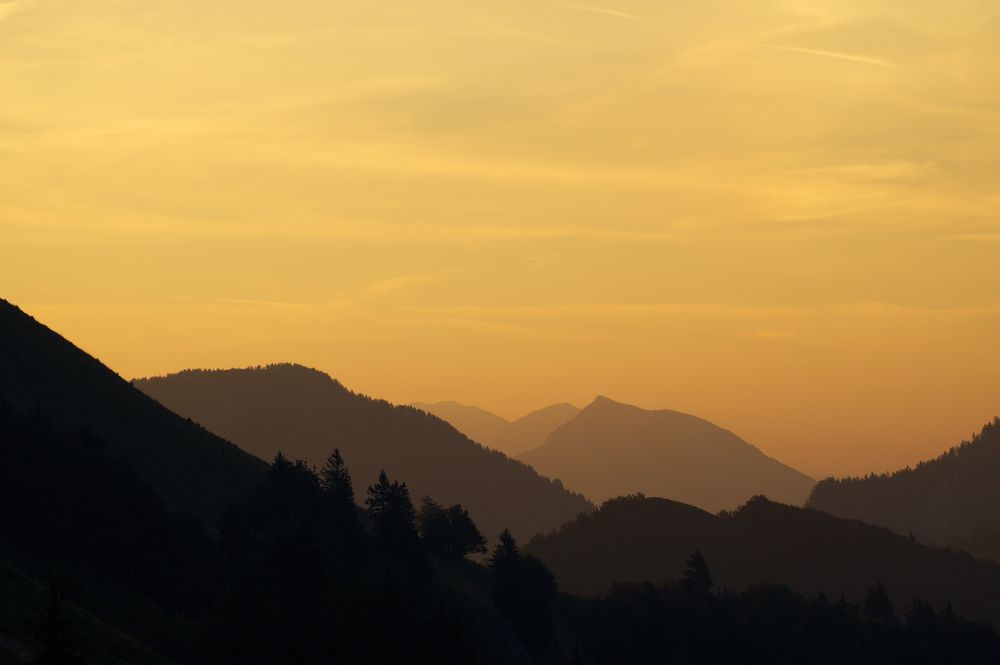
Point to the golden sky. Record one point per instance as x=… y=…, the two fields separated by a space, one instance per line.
x=783 y=216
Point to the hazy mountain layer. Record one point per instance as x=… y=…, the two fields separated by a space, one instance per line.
x=610 y=449
x=306 y=414
x=530 y=431
x=509 y=437
x=478 y=424
x=636 y=539
x=954 y=499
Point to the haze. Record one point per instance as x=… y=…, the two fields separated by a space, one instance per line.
x=780 y=216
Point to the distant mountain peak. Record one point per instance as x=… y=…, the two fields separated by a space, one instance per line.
x=613 y=448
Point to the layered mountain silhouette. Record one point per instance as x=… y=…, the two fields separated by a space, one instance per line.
x=480 y=425
x=636 y=539
x=130 y=535
x=953 y=499
x=509 y=437
x=611 y=449
x=531 y=431
x=306 y=414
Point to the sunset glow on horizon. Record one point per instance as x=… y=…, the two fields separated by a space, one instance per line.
x=780 y=216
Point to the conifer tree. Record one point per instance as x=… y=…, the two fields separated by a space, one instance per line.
x=336 y=479
x=877 y=605
x=392 y=511
x=523 y=590
x=338 y=491
x=697 y=578
x=449 y=532
x=58 y=640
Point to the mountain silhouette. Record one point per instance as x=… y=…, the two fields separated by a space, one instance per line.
x=611 y=449
x=187 y=466
x=509 y=437
x=306 y=414
x=132 y=535
x=478 y=424
x=107 y=492
x=953 y=499
x=635 y=539
x=530 y=431
x=173 y=545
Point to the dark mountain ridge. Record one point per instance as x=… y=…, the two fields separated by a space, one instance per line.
x=634 y=539
x=306 y=414
x=188 y=467
x=953 y=499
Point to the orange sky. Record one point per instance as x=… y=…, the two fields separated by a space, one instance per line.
x=779 y=215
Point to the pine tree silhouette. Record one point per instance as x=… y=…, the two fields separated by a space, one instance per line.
x=877 y=605
x=449 y=532
x=392 y=511
x=54 y=631
x=697 y=578
x=523 y=591
x=336 y=479
x=338 y=489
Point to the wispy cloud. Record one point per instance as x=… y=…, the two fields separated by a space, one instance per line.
x=726 y=309
x=602 y=10
x=850 y=57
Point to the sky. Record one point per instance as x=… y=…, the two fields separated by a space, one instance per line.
x=779 y=215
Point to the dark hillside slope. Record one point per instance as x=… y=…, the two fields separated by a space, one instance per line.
x=637 y=539
x=306 y=414
x=21 y=602
x=189 y=467
x=951 y=500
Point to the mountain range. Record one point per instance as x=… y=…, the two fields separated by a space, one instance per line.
x=133 y=535
x=509 y=437
x=480 y=425
x=610 y=449
x=306 y=414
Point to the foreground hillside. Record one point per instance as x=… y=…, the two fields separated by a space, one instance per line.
x=306 y=414
x=611 y=449
x=951 y=500
x=187 y=466
x=106 y=494
x=636 y=539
